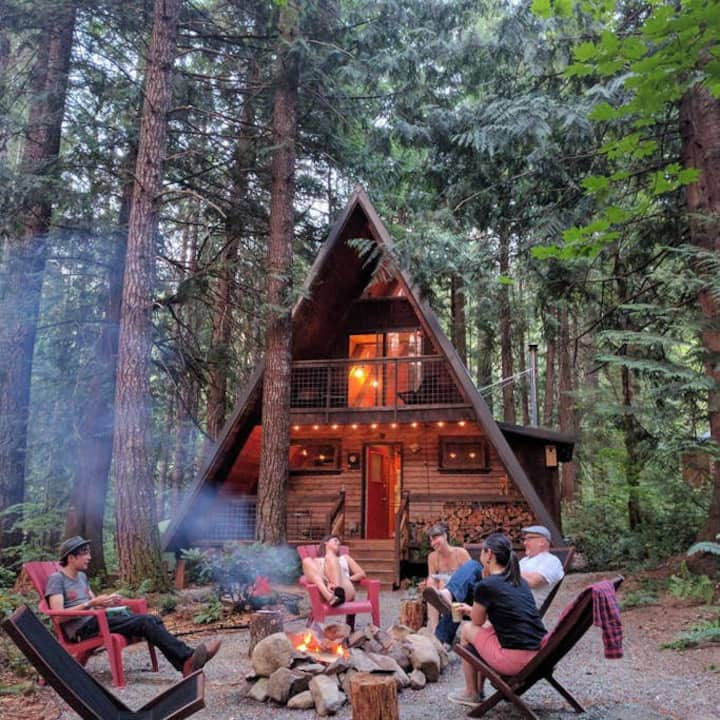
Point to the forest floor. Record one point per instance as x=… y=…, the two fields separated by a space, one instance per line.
x=649 y=683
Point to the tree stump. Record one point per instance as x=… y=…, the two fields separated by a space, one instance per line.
x=374 y=697
x=412 y=612
x=262 y=624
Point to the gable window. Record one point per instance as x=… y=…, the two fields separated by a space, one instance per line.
x=463 y=453
x=314 y=455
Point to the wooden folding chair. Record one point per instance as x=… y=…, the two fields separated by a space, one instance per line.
x=319 y=609
x=565 y=555
x=81 y=650
x=573 y=624
x=89 y=699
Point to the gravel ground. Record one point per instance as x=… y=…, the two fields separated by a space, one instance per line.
x=647 y=684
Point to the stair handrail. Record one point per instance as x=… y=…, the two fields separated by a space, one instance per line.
x=335 y=521
x=402 y=533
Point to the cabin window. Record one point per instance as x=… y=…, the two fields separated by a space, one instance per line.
x=463 y=453
x=374 y=383
x=315 y=455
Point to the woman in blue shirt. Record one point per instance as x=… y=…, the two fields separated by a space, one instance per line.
x=504 y=626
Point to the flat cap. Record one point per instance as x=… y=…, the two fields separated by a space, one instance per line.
x=537 y=530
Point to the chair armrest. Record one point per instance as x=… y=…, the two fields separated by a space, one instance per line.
x=181 y=700
x=137 y=605
x=373 y=592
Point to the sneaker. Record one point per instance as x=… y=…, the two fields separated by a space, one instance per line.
x=437 y=600
x=460 y=698
x=203 y=653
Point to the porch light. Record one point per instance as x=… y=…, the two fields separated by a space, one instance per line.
x=335 y=426
x=374 y=383
x=472 y=455
x=374 y=426
x=358 y=373
x=354 y=426
x=413 y=424
x=316 y=427
x=296 y=427
x=393 y=425
x=461 y=423
x=440 y=423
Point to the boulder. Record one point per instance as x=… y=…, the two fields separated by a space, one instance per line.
x=326 y=695
x=273 y=652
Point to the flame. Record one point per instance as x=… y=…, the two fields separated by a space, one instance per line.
x=310 y=644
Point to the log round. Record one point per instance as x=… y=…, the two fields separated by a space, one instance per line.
x=262 y=624
x=412 y=613
x=374 y=697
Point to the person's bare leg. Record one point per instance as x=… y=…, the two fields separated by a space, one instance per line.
x=433 y=617
x=336 y=577
x=468 y=631
x=312 y=573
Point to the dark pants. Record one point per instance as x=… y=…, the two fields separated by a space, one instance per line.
x=461 y=586
x=148 y=627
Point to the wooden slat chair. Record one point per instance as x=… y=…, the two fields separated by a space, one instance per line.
x=319 y=609
x=575 y=621
x=81 y=691
x=564 y=554
x=81 y=650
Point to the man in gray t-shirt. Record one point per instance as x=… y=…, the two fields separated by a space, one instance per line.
x=69 y=588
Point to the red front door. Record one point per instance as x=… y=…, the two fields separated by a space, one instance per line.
x=382 y=489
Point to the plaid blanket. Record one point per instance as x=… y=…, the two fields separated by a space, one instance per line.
x=606 y=615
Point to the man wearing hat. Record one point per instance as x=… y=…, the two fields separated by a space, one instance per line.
x=69 y=588
x=542 y=570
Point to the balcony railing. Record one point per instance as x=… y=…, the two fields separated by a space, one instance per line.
x=379 y=383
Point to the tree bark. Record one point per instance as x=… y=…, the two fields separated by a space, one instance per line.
x=700 y=131
x=549 y=398
x=138 y=541
x=506 y=359
x=271 y=505
x=459 y=319
x=566 y=409
x=25 y=256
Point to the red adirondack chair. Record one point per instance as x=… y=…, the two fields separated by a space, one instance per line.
x=39 y=572
x=320 y=609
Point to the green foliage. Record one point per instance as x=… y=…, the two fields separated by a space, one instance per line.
x=235 y=569
x=698 y=635
x=210 y=613
x=167 y=603
x=688 y=586
x=646 y=593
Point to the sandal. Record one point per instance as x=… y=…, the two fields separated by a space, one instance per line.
x=339 y=597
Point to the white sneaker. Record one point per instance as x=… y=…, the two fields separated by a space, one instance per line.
x=460 y=698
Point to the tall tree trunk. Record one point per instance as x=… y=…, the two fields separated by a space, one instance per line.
x=486 y=349
x=25 y=256
x=633 y=434
x=566 y=404
x=700 y=130
x=549 y=398
x=272 y=483
x=459 y=320
x=522 y=342
x=138 y=541
x=506 y=359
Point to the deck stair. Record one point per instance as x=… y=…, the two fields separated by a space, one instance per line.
x=376 y=557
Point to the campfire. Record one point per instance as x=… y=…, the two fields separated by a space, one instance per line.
x=327 y=666
x=319 y=649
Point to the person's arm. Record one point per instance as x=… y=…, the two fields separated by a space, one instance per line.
x=462 y=556
x=478 y=614
x=356 y=572
x=433 y=567
x=534 y=579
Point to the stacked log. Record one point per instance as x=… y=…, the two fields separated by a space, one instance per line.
x=470 y=522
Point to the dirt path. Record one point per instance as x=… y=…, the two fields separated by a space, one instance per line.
x=647 y=684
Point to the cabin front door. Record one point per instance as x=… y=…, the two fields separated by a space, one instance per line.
x=383 y=473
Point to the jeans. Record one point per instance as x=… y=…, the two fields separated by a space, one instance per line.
x=148 y=627
x=461 y=586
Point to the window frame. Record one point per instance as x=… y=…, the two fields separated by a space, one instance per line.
x=483 y=464
x=336 y=466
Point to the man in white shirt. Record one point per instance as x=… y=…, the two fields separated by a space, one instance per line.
x=542 y=570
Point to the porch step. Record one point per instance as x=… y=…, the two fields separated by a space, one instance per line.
x=377 y=559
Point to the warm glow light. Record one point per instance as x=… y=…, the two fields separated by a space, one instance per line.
x=453 y=455
x=335 y=427
x=413 y=424
x=321 y=458
x=359 y=373
x=374 y=426
x=374 y=383
x=354 y=426
x=316 y=427
x=339 y=650
x=304 y=452
x=440 y=423
x=472 y=454
x=393 y=425
x=296 y=427
x=461 y=423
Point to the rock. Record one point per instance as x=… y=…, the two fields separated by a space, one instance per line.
x=372 y=646
x=424 y=656
x=385 y=662
x=442 y=652
x=361 y=662
x=259 y=690
x=341 y=665
x=417 y=680
x=400 y=632
x=401 y=655
x=301 y=701
x=326 y=695
x=273 y=652
x=312 y=668
x=356 y=638
x=284 y=683
x=371 y=631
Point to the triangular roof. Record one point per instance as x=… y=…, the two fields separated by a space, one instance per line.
x=323 y=305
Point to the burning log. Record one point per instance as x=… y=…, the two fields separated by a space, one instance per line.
x=373 y=697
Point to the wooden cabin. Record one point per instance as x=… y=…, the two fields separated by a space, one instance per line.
x=389 y=434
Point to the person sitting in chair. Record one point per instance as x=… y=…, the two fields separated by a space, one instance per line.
x=542 y=570
x=69 y=588
x=333 y=573
x=504 y=625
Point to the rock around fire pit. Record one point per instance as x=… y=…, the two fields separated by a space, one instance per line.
x=313 y=668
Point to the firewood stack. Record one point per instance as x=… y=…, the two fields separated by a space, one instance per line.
x=471 y=522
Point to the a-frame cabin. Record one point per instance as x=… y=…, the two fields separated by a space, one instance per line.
x=389 y=434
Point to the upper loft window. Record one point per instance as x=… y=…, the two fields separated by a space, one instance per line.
x=373 y=383
x=314 y=455
x=463 y=453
